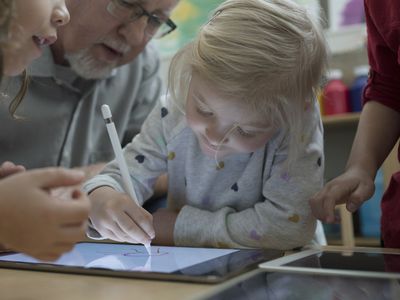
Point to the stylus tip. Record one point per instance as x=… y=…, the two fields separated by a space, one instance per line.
x=148 y=248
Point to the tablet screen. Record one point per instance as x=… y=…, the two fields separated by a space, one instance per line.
x=288 y=286
x=366 y=262
x=130 y=257
x=128 y=260
x=361 y=261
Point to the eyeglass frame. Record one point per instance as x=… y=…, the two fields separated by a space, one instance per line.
x=136 y=16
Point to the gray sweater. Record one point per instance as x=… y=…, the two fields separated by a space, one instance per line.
x=251 y=201
x=62 y=123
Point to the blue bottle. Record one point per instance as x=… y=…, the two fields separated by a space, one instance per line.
x=357 y=87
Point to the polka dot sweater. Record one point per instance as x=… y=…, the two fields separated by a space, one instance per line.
x=247 y=200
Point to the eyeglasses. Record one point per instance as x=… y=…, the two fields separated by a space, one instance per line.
x=157 y=26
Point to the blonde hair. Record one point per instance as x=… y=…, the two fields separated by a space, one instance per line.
x=270 y=53
x=7 y=10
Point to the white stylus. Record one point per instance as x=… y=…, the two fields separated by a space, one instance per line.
x=112 y=132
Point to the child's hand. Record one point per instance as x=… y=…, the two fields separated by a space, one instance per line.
x=34 y=222
x=353 y=188
x=8 y=168
x=116 y=216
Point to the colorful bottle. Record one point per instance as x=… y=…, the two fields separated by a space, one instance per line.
x=336 y=94
x=320 y=98
x=357 y=87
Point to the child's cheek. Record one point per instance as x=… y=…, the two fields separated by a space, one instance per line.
x=193 y=122
x=253 y=144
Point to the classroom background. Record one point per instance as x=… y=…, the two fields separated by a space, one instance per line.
x=340 y=98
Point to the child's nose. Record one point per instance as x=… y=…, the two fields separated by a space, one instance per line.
x=216 y=135
x=60 y=15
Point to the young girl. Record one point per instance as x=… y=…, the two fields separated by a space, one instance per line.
x=31 y=220
x=240 y=136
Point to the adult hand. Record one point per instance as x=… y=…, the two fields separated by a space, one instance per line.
x=352 y=187
x=34 y=222
x=164 y=224
x=8 y=168
x=116 y=216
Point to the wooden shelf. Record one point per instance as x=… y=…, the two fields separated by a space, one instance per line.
x=341 y=119
x=359 y=242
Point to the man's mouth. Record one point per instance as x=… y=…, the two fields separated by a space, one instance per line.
x=113 y=50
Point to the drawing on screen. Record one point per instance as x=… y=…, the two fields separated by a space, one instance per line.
x=137 y=252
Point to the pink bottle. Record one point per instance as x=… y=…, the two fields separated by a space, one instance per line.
x=336 y=94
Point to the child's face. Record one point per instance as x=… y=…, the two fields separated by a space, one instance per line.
x=33 y=27
x=217 y=120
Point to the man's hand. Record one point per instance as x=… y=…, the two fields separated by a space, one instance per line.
x=352 y=187
x=116 y=216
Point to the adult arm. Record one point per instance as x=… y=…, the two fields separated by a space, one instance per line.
x=379 y=125
x=377 y=133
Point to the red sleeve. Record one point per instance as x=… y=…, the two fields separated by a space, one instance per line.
x=383 y=26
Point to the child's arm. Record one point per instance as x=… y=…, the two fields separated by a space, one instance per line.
x=282 y=220
x=146 y=157
x=34 y=222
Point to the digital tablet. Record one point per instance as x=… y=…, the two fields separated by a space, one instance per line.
x=358 y=261
x=265 y=285
x=209 y=265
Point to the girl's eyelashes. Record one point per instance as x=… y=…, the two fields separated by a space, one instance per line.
x=244 y=133
x=203 y=111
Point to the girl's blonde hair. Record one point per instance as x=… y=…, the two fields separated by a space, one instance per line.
x=7 y=9
x=270 y=53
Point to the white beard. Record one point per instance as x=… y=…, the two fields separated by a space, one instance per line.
x=86 y=66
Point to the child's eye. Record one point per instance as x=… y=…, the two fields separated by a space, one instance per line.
x=204 y=112
x=244 y=133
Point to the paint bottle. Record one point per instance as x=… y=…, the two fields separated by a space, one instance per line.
x=357 y=87
x=336 y=94
x=320 y=98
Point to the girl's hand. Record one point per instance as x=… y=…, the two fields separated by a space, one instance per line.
x=352 y=187
x=8 y=168
x=116 y=216
x=34 y=222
